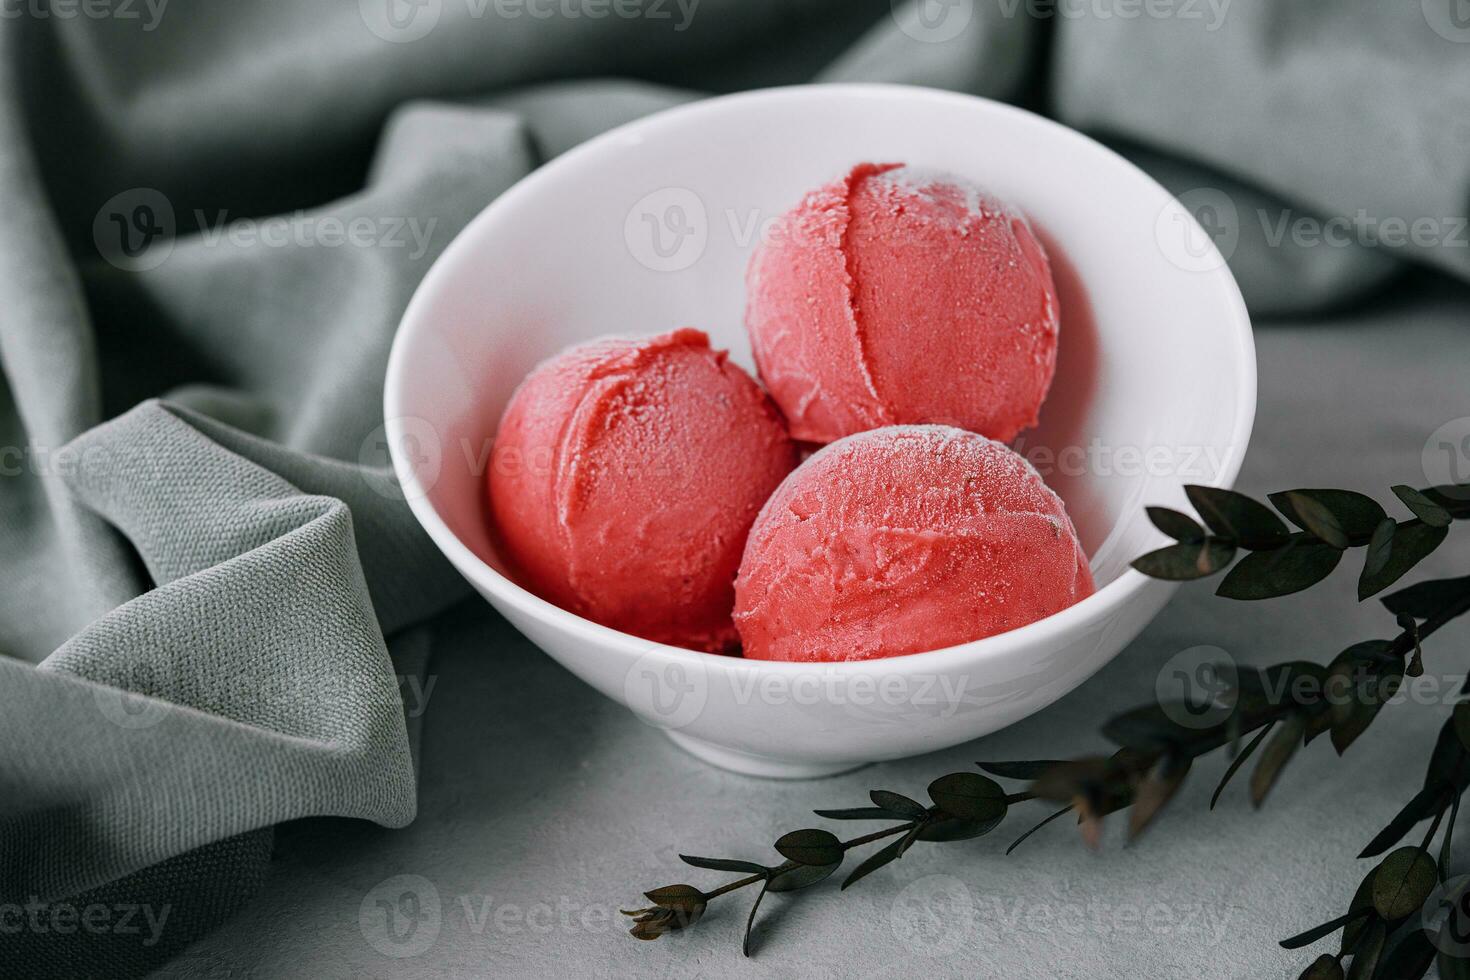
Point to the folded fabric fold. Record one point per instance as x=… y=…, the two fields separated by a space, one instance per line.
x=252 y=685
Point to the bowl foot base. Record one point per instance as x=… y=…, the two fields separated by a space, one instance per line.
x=765 y=767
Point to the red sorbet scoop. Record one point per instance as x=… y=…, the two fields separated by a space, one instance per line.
x=901 y=540
x=625 y=477
x=892 y=296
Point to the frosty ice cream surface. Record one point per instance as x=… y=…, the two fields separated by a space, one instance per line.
x=910 y=320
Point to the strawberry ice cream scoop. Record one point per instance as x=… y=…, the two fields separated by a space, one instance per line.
x=893 y=296
x=901 y=540
x=624 y=480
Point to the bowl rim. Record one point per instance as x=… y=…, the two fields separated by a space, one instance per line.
x=1115 y=594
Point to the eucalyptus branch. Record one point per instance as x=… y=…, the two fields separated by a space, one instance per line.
x=1281 y=561
x=1280 y=708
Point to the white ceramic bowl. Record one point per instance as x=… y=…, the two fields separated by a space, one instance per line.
x=649 y=227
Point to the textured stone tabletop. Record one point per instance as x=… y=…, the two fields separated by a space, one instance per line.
x=544 y=807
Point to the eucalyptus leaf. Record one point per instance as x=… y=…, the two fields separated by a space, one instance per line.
x=1360 y=910
x=1089 y=826
x=1410 y=626
x=750 y=920
x=1186 y=561
x=681 y=898
x=1368 y=951
x=875 y=861
x=1180 y=527
x=968 y=796
x=1351 y=721
x=1049 y=818
x=862 y=813
x=1403 y=882
x=1408 y=955
x=811 y=847
x=1355 y=513
x=898 y=803
x=1380 y=547
x=1453 y=497
x=1239 y=761
x=1419 y=807
x=1318 y=521
x=1460 y=719
x=1449 y=765
x=1291 y=682
x=1454 y=955
x=1322 y=931
x=1250 y=694
x=1453 y=967
x=1151 y=725
x=1359 y=681
x=908 y=839
x=1274 y=757
x=1446 y=845
x=1300 y=565
x=1364 y=664
x=1153 y=792
x=1018 y=770
x=1412 y=542
x=954 y=828
x=1232 y=515
x=1323 y=967
x=1354 y=717
x=801 y=876
x=1319 y=720
x=724 y=864
x=1425 y=600
x=1066 y=781
x=1422 y=507
x=1114 y=791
